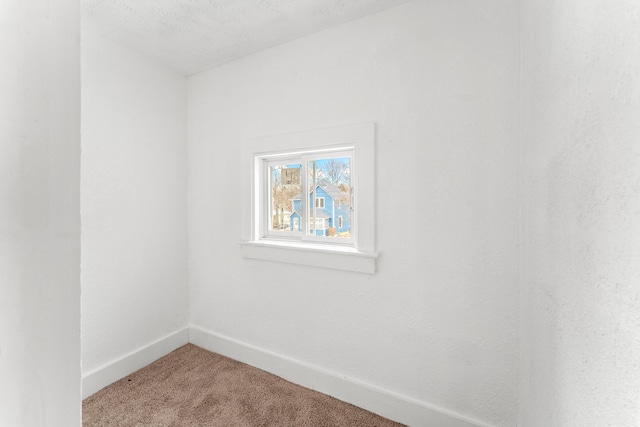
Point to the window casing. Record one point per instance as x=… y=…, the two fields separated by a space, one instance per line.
x=272 y=231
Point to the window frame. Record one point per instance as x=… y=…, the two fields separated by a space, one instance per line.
x=360 y=254
x=265 y=209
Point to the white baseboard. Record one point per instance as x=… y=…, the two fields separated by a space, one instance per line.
x=101 y=377
x=385 y=403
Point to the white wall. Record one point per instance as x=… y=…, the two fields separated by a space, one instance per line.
x=439 y=322
x=581 y=213
x=39 y=213
x=134 y=171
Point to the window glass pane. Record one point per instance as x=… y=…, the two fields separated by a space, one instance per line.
x=330 y=186
x=285 y=207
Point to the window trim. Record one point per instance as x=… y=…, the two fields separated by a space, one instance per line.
x=361 y=256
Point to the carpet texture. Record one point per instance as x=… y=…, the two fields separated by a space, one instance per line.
x=194 y=387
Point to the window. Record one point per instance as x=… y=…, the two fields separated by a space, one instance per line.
x=293 y=181
x=310 y=198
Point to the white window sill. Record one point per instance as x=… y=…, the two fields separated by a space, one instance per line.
x=301 y=253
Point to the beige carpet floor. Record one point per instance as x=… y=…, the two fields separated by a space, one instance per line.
x=194 y=387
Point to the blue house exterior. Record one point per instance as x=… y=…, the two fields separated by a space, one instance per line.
x=332 y=211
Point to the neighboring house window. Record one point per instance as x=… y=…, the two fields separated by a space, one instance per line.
x=313 y=191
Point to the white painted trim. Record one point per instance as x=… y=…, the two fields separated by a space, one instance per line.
x=314 y=255
x=105 y=375
x=375 y=399
x=359 y=136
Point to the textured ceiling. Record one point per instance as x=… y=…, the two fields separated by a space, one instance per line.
x=194 y=35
